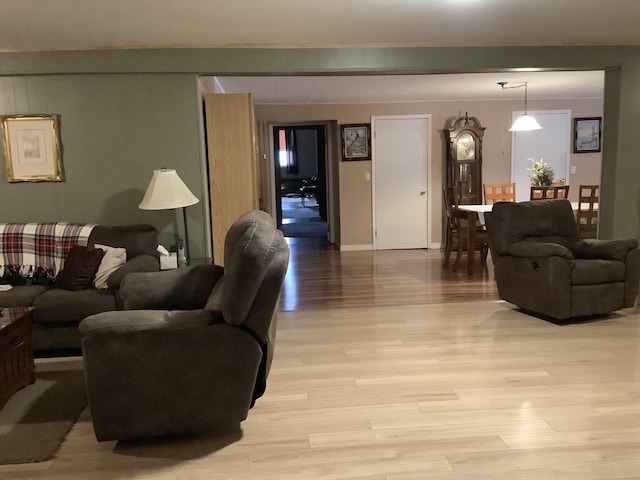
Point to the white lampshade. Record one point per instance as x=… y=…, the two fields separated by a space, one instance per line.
x=525 y=123
x=166 y=190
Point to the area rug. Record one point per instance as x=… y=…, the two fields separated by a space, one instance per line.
x=36 y=419
x=305 y=228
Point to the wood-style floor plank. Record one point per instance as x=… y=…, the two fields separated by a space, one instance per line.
x=388 y=367
x=322 y=277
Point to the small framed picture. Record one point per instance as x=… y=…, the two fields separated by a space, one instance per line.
x=356 y=141
x=587 y=134
x=32 y=148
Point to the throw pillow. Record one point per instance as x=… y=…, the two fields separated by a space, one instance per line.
x=113 y=259
x=79 y=268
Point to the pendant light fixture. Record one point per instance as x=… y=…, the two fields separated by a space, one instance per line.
x=525 y=122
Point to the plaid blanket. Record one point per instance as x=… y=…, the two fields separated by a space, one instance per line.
x=27 y=248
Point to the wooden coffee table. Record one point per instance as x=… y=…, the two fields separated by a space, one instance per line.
x=17 y=367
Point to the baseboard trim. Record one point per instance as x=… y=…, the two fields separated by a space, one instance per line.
x=355 y=248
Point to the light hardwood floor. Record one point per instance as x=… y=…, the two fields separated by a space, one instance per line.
x=389 y=368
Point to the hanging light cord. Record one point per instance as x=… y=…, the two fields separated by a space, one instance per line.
x=504 y=87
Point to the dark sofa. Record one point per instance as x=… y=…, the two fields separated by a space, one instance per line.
x=194 y=351
x=542 y=266
x=58 y=312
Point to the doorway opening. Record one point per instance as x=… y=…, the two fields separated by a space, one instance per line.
x=300 y=175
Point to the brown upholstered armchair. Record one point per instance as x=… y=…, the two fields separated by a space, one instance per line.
x=194 y=349
x=542 y=266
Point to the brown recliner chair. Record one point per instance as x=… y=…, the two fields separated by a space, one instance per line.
x=542 y=266
x=194 y=349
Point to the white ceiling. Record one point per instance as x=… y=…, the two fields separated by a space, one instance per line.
x=99 y=24
x=37 y=25
x=413 y=88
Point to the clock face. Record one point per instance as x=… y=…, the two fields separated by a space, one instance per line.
x=465 y=147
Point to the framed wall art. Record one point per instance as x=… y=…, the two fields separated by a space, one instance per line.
x=356 y=141
x=32 y=148
x=587 y=134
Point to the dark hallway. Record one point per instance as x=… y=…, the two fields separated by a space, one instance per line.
x=301 y=218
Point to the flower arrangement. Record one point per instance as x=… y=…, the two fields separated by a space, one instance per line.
x=541 y=173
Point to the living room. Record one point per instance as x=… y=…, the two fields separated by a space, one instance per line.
x=375 y=390
x=107 y=121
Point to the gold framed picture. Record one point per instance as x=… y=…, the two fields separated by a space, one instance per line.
x=32 y=148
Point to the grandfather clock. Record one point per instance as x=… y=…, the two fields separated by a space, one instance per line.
x=464 y=158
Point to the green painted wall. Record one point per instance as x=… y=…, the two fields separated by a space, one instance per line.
x=127 y=112
x=115 y=130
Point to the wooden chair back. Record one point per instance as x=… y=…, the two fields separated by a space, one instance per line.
x=499 y=192
x=587 y=214
x=457 y=231
x=541 y=193
x=450 y=201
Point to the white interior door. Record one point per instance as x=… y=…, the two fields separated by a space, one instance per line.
x=400 y=158
x=552 y=144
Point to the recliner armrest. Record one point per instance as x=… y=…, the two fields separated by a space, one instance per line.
x=179 y=289
x=139 y=263
x=531 y=249
x=604 y=249
x=127 y=322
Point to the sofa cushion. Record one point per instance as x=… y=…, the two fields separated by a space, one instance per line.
x=112 y=260
x=63 y=307
x=595 y=271
x=79 y=268
x=22 y=296
x=139 y=239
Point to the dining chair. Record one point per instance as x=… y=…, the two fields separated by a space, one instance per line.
x=587 y=213
x=499 y=192
x=541 y=193
x=457 y=233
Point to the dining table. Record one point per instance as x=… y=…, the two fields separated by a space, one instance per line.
x=475 y=218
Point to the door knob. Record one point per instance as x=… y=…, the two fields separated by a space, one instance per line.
x=423 y=192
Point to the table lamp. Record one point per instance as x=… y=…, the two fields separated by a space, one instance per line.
x=167 y=191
